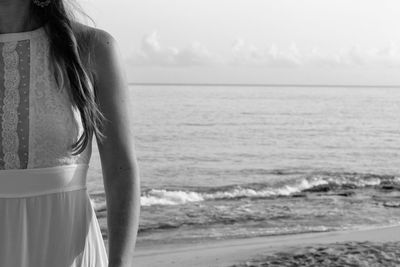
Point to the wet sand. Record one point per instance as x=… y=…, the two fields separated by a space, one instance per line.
x=379 y=244
x=333 y=255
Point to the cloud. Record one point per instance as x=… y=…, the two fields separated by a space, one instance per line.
x=249 y=55
x=317 y=58
x=153 y=53
x=388 y=56
x=276 y=57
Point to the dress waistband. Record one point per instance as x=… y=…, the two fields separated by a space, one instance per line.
x=39 y=181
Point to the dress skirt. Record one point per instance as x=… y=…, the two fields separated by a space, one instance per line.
x=47 y=219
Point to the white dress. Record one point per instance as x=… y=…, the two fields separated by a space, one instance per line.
x=46 y=217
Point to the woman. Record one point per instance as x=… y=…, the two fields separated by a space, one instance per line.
x=60 y=83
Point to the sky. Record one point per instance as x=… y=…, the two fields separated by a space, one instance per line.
x=334 y=42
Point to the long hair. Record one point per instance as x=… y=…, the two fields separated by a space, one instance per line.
x=69 y=68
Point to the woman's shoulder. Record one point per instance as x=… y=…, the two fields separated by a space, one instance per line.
x=98 y=46
x=103 y=56
x=92 y=37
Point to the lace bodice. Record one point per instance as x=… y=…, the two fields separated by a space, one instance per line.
x=38 y=124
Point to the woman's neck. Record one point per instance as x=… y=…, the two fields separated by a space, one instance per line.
x=15 y=16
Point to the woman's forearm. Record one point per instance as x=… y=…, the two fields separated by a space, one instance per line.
x=123 y=210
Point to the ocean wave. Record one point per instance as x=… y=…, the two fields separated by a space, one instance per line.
x=313 y=183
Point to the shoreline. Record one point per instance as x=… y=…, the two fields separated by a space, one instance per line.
x=224 y=253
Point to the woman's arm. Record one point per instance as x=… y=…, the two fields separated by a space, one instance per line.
x=117 y=153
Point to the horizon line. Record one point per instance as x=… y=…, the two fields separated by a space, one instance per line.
x=262 y=85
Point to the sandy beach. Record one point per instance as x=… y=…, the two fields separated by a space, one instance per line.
x=267 y=251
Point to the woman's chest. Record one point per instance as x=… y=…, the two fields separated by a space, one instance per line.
x=37 y=122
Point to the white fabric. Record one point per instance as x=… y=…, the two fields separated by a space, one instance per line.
x=46 y=216
x=53 y=125
x=14 y=183
x=46 y=229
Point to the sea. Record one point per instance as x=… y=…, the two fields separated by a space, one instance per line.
x=221 y=162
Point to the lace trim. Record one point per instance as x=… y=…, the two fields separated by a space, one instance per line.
x=38 y=123
x=53 y=127
x=11 y=101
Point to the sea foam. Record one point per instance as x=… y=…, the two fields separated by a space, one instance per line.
x=314 y=183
